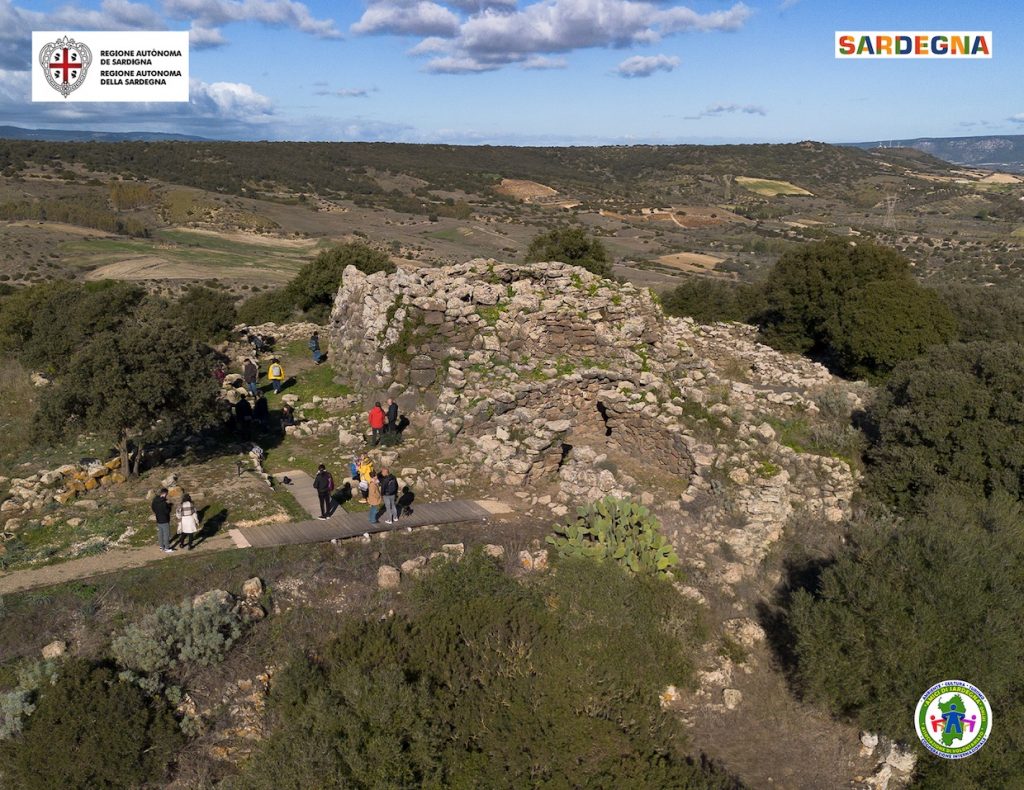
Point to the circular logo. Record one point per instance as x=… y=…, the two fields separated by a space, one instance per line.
x=953 y=719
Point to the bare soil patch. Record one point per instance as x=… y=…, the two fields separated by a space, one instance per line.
x=526 y=191
x=690 y=261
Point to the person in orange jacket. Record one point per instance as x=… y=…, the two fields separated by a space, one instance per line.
x=377 y=421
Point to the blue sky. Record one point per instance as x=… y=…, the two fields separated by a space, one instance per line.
x=540 y=72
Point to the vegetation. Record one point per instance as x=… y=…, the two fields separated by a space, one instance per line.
x=911 y=603
x=571 y=245
x=75 y=211
x=954 y=416
x=206 y=314
x=618 y=530
x=314 y=287
x=90 y=731
x=487 y=682
x=706 y=301
x=856 y=306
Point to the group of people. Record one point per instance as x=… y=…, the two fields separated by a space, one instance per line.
x=378 y=490
x=383 y=422
x=188 y=522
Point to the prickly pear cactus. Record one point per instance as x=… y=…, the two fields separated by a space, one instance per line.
x=616 y=529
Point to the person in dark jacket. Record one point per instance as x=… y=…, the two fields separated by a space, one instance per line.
x=324 y=485
x=243 y=417
x=389 y=491
x=314 y=347
x=261 y=413
x=392 y=417
x=376 y=418
x=162 y=510
x=251 y=375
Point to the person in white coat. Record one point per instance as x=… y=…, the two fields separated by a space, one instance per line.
x=188 y=521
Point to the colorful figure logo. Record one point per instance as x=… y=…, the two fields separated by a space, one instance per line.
x=65 y=63
x=953 y=719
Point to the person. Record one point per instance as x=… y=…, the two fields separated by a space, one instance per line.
x=251 y=375
x=373 y=499
x=324 y=485
x=261 y=412
x=287 y=415
x=243 y=417
x=314 y=347
x=219 y=373
x=376 y=418
x=276 y=375
x=188 y=521
x=256 y=342
x=365 y=470
x=388 y=492
x=162 y=510
x=392 y=417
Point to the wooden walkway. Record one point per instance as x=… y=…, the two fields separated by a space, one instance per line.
x=349 y=525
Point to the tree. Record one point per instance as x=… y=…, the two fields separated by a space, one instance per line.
x=706 y=300
x=956 y=415
x=207 y=314
x=314 y=287
x=912 y=603
x=91 y=731
x=148 y=381
x=886 y=322
x=571 y=245
x=806 y=289
x=855 y=307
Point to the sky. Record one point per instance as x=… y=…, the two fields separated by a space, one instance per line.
x=539 y=72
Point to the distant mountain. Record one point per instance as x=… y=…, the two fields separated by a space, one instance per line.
x=996 y=152
x=85 y=136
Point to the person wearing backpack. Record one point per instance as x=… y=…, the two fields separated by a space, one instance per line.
x=314 y=348
x=388 y=492
x=275 y=374
x=324 y=485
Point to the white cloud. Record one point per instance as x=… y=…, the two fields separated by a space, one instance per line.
x=15 y=86
x=346 y=93
x=400 y=18
x=229 y=100
x=729 y=108
x=208 y=15
x=1018 y=118
x=541 y=62
x=495 y=34
x=787 y=4
x=646 y=65
x=205 y=37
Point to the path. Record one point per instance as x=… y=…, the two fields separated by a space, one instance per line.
x=340 y=525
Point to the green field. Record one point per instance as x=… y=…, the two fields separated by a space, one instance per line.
x=769 y=187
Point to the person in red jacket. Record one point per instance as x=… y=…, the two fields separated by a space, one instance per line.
x=377 y=419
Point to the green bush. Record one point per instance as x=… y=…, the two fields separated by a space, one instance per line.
x=207 y=314
x=274 y=306
x=953 y=416
x=618 y=530
x=488 y=682
x=884 y=323
x=854 y=306
x=571 y=245
x=90 y=732
x=313 y=289
x=18 y=704
x=177 y=635
x=706 y=301
x=912 y=603
x=986 y=314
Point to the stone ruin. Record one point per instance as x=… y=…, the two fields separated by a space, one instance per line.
x=545 y=374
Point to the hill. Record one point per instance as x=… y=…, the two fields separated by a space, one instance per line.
x=998 y=152
x=76 y=135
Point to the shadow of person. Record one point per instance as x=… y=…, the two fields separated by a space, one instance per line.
x=404 y=502
x=209 y=527
x=341 y=496
x=403 y=423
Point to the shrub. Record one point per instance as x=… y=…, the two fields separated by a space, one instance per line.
x=571 y=245
x=178 y=635
x=954 y=415
x=487 y=682
x=90 y=731
x=856 y=307
x=208 y=315
x=619 y=530
x=314 y=287
x=270 y=306
x=912 y=603
x=706 y=301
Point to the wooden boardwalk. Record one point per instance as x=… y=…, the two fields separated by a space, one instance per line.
x=349 y=525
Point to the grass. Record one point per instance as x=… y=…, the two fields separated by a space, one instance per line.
x=448 y=234
x=770 y=187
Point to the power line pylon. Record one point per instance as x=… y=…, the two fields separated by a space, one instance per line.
x=890 y=213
